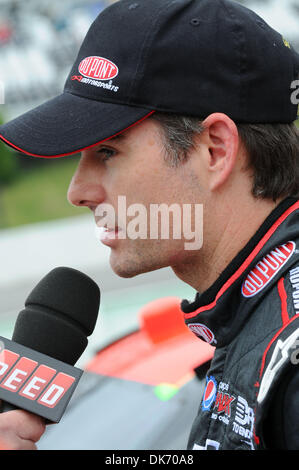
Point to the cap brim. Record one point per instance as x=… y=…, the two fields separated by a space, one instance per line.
x=68 y=124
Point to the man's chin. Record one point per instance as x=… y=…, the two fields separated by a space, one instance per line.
x=123 y=273
x=122 y=268
x=128 y=268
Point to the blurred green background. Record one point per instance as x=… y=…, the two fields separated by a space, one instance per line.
x=34 y=189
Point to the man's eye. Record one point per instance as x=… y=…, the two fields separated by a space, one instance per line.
x=107 y=153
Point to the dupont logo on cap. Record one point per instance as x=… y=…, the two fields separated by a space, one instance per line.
x=266 y=269
x=98 y=68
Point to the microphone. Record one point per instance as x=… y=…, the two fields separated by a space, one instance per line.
x=50 y=334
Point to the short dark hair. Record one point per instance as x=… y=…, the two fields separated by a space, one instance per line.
x=273 y=151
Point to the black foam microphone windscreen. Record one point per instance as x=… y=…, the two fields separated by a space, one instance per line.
x=60 y=312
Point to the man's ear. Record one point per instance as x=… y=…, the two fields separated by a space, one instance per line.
x=222 y=140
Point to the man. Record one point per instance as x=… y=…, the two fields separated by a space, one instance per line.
x=193 y=102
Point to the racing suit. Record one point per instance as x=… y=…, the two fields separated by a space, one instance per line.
x=251 y=316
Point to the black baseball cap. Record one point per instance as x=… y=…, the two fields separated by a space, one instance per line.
x=191 y=57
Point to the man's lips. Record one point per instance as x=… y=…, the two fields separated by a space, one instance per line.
x=107 y=234
x=108 y=229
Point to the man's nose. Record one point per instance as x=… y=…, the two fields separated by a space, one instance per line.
x=85 y=188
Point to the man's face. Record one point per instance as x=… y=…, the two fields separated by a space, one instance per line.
x=132 y=166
